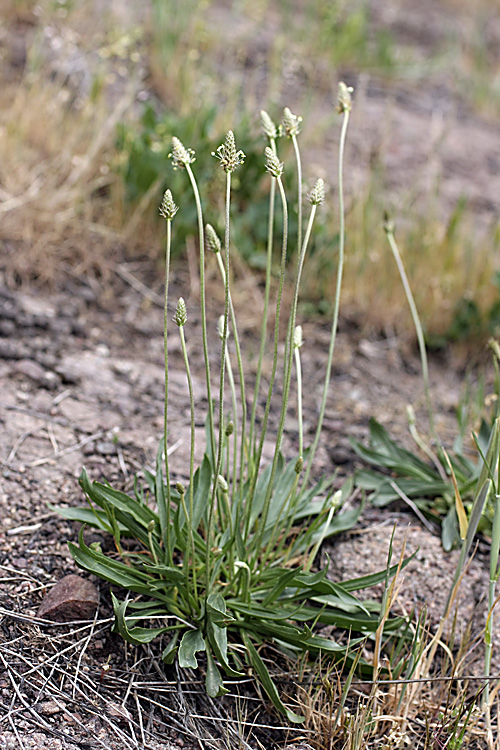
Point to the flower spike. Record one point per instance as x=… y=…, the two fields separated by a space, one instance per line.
x=317 y=194
x=291 y=123
x=268 y=125
x=273 y=164
x=180 y=156
x=212 y=241
x=228 y=156
x=168 y=209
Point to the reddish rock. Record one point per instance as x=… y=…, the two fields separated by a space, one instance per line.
x=72 y=598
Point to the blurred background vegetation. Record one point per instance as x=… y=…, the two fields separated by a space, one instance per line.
x=91 y=93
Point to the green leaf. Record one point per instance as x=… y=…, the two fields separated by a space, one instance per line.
x=136 y=634
x=281 y=493
x=102 y=494
x=449 y=530
x=170 y=650
x=174 y=576
x=363 y=582
x=192 y=642
x=95 y=562
x=213 y=680
x=217 y=611
x=160 y=489
x=265 y=678
x=284 y=578
x=87 y=516
x=385 y=452
x=201 y=488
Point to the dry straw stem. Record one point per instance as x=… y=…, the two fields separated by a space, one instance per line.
x=52 y=168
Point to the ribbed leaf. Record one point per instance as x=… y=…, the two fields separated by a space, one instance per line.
x=87 y=516
x=174 y=576
x=93 y=561
x=213 y=680
x=101 y=494
x=192 y=642
x=134 y=635
x=217 y=610
x=265 y=678
x=170 y=651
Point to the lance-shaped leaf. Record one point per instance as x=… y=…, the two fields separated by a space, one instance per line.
x=135 y=634
x=266 y=681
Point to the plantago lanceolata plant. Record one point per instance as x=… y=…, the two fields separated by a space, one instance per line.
x=224 y=564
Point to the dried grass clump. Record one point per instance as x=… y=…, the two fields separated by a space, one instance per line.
x=55 y=180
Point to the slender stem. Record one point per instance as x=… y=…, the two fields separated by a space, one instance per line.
x=298 y=368
x=220 y=446
x=164 y=512
x=189 y=519
x=267 y=291
x=299 y=191
x=230 y=377
x=288 y=378
x=416 y=322
x=241 y=374
x=336 y=304
x=203 y=305
x=265 y=419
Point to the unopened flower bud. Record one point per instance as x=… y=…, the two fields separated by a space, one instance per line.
x=222 y=484
x=229 y=429
x=344 y=99
x=299 y=464
x=388 y=224
x=180 y=488
x=211 y=239
x=336 y=499
x=273 y=165
x=297 y=337
x=268 y=125
x=220 y=327
x=291 y=123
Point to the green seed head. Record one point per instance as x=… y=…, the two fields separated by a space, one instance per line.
x=268 y=125
x=180 y=316
x=151 y=526
x=168 y=209
x=273 y=165
x=299 y=464
x=180 y=488
x=344 y=99
x=291 y=123
x=229 y=429
x=228 y=156
x=211 y=239
x=180 y=156
x=317 y=194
